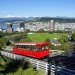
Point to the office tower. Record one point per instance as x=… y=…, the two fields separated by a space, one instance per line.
x=9 y=28
x=51 y=25
x=22 y=26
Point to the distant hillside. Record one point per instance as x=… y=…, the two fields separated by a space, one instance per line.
x=41 y=19
x=61 y=20
x=12 y=19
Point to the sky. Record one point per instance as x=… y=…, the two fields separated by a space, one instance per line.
x=37 y=8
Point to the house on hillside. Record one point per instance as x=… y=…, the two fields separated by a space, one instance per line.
x=55 y=42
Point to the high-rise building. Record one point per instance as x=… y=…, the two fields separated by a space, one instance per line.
x=9 y=25
x=9 y=28
x=51 y=25
x=22 y=26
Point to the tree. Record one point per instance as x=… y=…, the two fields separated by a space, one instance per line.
x=25 y=40
x=1 y=34
x=27 y=31
x=73 y=36
x=17 y=38
x=4 y=40
x=48 y=40
x=65 y=46
x=1 y=43
x=63 y=39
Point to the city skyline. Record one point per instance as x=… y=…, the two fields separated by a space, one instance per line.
x=37 y=8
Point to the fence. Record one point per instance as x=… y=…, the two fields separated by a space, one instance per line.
x=56 y=52
x=39 y=64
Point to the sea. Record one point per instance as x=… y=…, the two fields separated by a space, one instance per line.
x=4 y=26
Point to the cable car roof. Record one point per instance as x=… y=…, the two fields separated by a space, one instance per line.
x=32 y=43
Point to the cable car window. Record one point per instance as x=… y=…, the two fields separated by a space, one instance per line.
x=26 y=47
x=30 y=47
x=37 y=48
x=18 y=46
x=43 y=47
x=46 y=46
x=21 y=46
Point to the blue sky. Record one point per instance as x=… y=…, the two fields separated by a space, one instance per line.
x=39 y=8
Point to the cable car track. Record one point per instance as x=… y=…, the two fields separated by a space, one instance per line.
x=46 y=59
x=57 y=60
x=11 y=55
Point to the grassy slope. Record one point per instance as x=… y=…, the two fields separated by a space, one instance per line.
x=39 y=37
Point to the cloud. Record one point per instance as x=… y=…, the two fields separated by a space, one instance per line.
x=29 y=16
x=5 y=16
x=2 y=12
x=18 y=16
x=34 y=16
x=9 y=16
x=26 y=16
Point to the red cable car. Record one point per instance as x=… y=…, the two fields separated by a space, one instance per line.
x=32 y=49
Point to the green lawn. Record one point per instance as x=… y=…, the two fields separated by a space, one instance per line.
x=39 y=37
x=64 y=34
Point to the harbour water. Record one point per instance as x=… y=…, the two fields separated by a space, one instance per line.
x=3 y=26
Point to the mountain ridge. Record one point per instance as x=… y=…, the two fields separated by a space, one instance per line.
x=46 y=18
x=15 y=18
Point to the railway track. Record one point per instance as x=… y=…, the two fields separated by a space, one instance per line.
x=50 y=58
x=62 y=61
x=12 y=55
